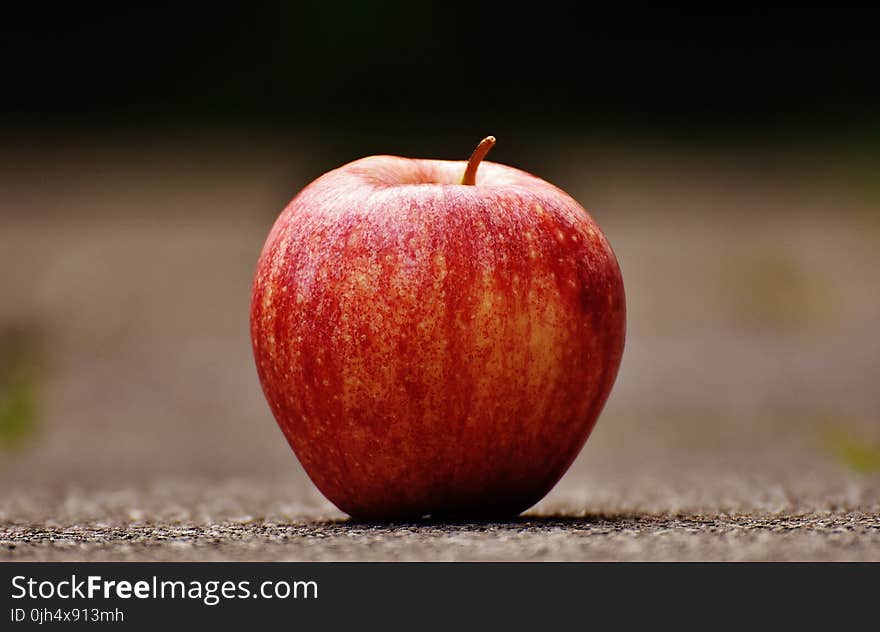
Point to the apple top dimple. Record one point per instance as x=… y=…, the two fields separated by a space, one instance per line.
x=394 y=171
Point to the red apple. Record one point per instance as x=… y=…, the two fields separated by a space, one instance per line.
x=433 y=343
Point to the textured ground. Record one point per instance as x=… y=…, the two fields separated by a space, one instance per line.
x=745 y=423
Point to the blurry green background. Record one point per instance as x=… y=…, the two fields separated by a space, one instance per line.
x=731 y=158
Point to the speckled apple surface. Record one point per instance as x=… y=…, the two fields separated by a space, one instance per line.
x=434 y=348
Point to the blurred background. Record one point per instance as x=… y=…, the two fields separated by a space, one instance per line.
x=145 y=151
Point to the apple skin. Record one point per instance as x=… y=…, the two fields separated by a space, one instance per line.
x=433 y=348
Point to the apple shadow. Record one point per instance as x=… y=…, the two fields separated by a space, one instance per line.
x=518 y=523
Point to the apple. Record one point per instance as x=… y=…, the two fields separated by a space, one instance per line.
x=433 y=341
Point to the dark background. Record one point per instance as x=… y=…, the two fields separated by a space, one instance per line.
x=413 y=73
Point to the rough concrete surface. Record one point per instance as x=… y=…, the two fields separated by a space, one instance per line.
x=745 y=423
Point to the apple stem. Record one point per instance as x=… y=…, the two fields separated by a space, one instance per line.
x=470 y=173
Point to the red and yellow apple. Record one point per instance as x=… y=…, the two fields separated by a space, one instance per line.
x=436 y=337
